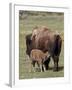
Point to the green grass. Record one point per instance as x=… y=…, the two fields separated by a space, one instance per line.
x=55 y=23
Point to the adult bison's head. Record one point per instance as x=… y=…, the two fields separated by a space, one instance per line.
x=28 y=44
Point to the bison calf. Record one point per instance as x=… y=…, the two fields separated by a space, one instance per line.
x=39 y=57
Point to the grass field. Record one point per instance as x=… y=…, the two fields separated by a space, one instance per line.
x=53 y=21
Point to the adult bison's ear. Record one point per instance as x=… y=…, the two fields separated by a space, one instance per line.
x=28 y=38
x=28 y=43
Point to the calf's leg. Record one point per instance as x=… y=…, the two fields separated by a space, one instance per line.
x=33 y=63
x=41 y=67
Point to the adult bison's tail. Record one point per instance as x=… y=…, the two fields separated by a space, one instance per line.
x=58 y=44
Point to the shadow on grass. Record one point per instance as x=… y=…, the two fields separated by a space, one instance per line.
x=60 y=68
x=51 y=68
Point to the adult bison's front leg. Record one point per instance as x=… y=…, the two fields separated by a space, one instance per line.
x=56 y=60
x=46 y=63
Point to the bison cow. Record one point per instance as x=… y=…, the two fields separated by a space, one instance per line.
x=39 y=57
x=45 y=40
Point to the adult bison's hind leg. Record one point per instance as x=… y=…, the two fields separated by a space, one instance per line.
x=56 y=60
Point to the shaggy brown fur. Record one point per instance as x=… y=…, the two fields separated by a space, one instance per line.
x=45 y=40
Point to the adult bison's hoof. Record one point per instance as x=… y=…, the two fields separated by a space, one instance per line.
x=47 y=68
x=55 y=69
